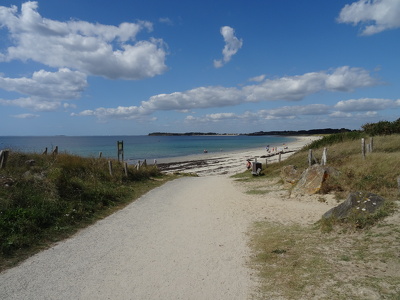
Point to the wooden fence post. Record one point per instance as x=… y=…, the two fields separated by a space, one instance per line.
x=280 y=157
x=120 y=148
x=363 y=147
x=311 y=159
x=55 y=151
x=3 y=158
x=45 y=151
x=371 y=142
x=324 y=157
x=126 y=168
x=110 y=167
x=100 y=154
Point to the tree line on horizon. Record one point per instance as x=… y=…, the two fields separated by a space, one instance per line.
x=379 y=128
x=284 y=132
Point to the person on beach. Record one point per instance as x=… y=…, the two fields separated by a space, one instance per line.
x=248 y=164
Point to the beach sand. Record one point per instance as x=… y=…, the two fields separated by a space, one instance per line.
x=229 y=163
x=187 y=239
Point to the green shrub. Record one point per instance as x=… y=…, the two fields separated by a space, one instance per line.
x=382 y=128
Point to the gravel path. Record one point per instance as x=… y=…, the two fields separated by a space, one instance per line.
x=184 y=240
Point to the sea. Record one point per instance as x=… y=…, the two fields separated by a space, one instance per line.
x=139 y=147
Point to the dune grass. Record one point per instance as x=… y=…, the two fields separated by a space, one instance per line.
x=58 y=195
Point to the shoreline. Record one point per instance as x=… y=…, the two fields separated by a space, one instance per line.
x=231 y=162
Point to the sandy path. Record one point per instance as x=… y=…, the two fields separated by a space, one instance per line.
x=184 y=240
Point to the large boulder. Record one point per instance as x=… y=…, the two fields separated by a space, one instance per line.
x=356 y=203
x=311 y=180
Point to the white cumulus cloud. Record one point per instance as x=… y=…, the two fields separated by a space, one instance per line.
x=295 y=88
x=340 y=114
x=96 y=49
x=289 y=88
x=376 y=15
x=44 y=90
x=32 y=103
x=312 y=109
x=365 y=104
x=232 y=46
x=60 y=85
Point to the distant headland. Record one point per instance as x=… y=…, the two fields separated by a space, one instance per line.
x=190 y=134
x=284 y=132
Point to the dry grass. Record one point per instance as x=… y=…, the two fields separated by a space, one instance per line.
x=295 y=262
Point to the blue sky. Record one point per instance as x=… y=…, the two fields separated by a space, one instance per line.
x=70 y=67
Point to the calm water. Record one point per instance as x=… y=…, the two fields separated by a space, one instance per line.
x=139 y=147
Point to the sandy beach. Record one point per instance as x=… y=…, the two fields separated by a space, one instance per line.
x=184 y=240
x=228 y=163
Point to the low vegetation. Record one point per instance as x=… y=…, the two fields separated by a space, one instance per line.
x=376 y=173
x=355 y=259
x=45 y=198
